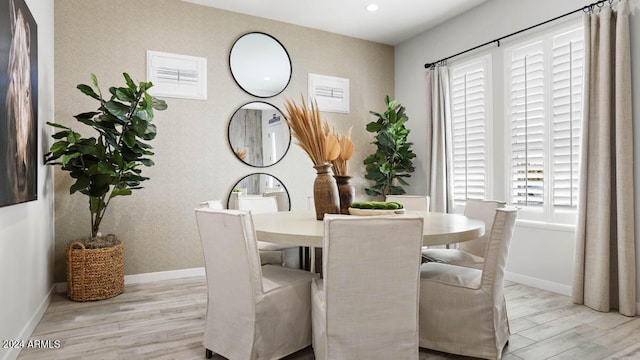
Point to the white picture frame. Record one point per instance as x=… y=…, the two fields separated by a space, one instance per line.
x=331 y=93
x=177 y=76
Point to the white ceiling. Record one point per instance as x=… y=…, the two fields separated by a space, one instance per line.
x=394 y=22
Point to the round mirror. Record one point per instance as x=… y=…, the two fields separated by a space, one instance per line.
x=258 y=134
x=260 y=184
x=260 y=65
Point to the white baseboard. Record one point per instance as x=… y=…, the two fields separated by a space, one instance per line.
x=539 y=283
x=150 y=277
x=163 y=275
x=30 y=326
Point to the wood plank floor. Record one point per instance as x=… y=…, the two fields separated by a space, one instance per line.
x=165 y=320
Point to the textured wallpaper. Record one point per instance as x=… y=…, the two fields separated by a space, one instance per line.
x=193 y=160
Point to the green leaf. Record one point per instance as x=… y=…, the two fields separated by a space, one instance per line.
x=99 y=185
x=81 y=183
x=129 y=138
x=87 y=90
x=129 y=82
x=147 y=162
x=120 y=192
x=158 y=104
x=106 y=168
x=372 y=192
x=61 y=134
x=125 y=94
x=373 y=127
x=73 y=137
x=67 y=158
x=116 y=108
x=57 y=125
x=94 y=80
x=59 y=147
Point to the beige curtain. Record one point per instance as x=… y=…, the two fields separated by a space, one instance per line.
x=605 y=268
x=439 y=137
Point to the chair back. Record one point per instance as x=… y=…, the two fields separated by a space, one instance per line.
x=258 y=204
x=411 y=202
x=495 y=258
x=481 y=210
x=232 y=266
x=371 y=269
x=211 y=204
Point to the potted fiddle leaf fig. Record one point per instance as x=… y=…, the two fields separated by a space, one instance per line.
x=393 y=160
x=105 y=166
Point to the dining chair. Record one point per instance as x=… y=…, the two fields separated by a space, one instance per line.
x=411 y=202
x=270 y=253
x=211 y=204
x=361 y=311
x=469 y=253
x=462 y=309
x=253 y=311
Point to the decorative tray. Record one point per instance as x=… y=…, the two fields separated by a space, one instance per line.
x=374 y=212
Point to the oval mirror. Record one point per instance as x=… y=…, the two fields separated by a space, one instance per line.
x=260 y=184
x=260 y=65
x=258 y=134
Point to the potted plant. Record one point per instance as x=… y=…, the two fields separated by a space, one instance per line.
x=393 y=160
x=104 y=167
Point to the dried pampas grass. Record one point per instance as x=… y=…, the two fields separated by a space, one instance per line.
x=340 y=166
x=312 y=133
x=241 y=154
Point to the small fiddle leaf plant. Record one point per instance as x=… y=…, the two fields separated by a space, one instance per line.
x=393 y=160
x=108 y=165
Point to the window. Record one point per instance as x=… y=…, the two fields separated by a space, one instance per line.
x=469 y=112
x=544 y=117
x=536 y=167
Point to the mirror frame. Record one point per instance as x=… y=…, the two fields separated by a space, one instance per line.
x=277 y=42
x=261 y=173
x=286 y=151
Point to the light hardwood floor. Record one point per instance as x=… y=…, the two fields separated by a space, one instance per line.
x=165 y=320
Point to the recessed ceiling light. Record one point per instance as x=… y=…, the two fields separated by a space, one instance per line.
x=372 y=7
x=266 y=78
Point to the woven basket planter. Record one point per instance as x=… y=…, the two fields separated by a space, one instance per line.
x=94 y=274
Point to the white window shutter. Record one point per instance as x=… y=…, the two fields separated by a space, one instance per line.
x=567 y=72
x=469 y=130
x=528 y=125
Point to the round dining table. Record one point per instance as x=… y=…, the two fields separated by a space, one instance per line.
x=300 y=228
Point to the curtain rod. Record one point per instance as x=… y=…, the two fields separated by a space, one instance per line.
x=584 y=8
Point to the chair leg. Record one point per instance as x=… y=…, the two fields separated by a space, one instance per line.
x=208 y=354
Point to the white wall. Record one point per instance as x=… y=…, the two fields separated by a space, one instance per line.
x=539 y=256
x=26 y=230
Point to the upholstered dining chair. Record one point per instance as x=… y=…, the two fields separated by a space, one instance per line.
x=211 y=204
x=469 y=253
x=361 y=311
x=253 y=311
x=270 y=253
x=462 y=309
x=411 y=202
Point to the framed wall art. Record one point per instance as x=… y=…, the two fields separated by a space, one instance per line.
x=18 y=103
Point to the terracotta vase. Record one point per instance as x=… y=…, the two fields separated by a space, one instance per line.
x=346 y=192
x=325 y=192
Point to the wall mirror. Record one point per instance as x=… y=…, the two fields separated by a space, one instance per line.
x=260 y=64
x=258 y=134
x=260 y=184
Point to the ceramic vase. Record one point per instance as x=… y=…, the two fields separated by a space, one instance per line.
x=346 y=192
x=325 y=192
